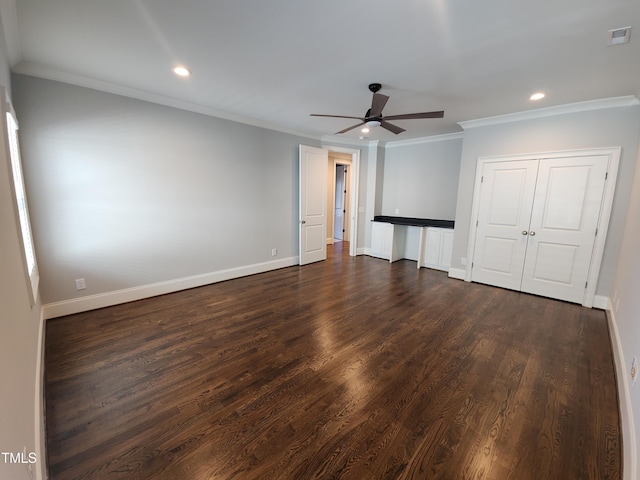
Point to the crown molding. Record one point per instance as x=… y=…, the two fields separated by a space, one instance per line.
x=36 y=70
x=589 y=105
x=434 y=138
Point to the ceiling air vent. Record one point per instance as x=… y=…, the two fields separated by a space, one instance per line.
x=619 y=36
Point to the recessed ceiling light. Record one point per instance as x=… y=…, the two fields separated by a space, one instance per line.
x=537 y=96
x=181 y=71
x=365 y=130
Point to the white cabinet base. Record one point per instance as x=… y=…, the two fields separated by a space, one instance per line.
x=434 y=251
x=438 y=246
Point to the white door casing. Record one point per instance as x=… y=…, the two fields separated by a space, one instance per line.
x=313 y=204
x=565 y=236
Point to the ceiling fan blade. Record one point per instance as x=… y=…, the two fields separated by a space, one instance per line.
x=392 y=128
x=350 y=128
x=377 y=104
x=410 y=116
x=334 y=116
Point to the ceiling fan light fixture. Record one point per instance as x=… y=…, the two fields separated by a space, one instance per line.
x=373 y=123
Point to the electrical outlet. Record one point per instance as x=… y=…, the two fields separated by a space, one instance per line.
x=274 y=252
x=634 y=371
x=397 y=211
x=463 y=261
x=80 y=284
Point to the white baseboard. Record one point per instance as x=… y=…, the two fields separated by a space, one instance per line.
x=629 y=453
x=601 y=302
x=361 y=251
x=457 y=273
x=92 y=302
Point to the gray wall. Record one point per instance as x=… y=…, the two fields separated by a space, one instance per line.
x=626 y=301
x=600 y=128
x=126 y=193
x=421 y=180
x=20 y=395
x=373 y=174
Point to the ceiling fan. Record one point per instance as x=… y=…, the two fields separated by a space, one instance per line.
x=374 y=118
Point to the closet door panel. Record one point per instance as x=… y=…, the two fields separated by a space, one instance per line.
x=506 y=199
x=563 y=226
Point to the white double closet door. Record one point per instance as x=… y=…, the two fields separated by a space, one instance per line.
x=537 y=224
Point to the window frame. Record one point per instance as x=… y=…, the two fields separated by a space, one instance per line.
x=10 y=128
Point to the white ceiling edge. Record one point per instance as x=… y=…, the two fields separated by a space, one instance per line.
x=36 y=70
x=598 y=104
x=434 y=138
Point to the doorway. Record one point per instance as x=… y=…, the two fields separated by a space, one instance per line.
x=317 y=183
x=341 y=197
x=340 y=225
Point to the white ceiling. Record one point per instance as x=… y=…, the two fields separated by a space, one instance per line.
x=277 y=61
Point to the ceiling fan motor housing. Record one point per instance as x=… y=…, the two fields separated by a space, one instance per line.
x=374 y=118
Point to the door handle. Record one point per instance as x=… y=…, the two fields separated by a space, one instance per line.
x=532 y=233
x=524 y=232
x=303 y=221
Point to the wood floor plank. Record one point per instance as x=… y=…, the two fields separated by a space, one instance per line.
x=350 y=368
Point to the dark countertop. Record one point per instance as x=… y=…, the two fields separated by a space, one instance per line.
x=416 y=222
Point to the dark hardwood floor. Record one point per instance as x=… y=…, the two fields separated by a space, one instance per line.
x=345 y=369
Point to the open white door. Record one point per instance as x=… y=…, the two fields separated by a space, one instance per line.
x=313 y=204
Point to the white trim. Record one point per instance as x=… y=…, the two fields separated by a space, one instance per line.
x=39 y=413
x=605 y=207
x=36 y=70
x=601 y=302
x=457 y=273
x=91 y=302
x=629 y=450
x=599 y=104
x=9 y=126
x=603 y=222
x=434 y=138
x=369 y=252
